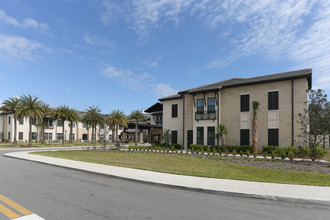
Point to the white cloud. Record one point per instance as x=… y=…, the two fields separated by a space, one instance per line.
x=137 y=81
x=162 y=90
x=110 y=12
x=152 y=64
x=26 y=23
x=97 y=41
x=19 y=48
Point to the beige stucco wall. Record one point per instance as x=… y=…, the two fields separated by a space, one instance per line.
x=230 y=110
x=173 y=123
x=188 y=116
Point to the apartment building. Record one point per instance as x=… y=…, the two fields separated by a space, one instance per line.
x=193 y=115
x=53 y=130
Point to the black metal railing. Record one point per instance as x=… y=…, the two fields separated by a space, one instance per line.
x=205 y=115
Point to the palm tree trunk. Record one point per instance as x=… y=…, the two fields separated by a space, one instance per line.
x=71 y=132
x=63 y=138
x=30 y=131
x=15 y=131
x=93 y=133
x=136 y=134
x=43 y=132
x=117 y=132
x=254 y=135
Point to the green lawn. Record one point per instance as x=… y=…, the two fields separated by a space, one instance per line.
x=188 y=165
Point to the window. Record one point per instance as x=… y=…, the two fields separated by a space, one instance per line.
x=85 y=137
x=21 y=121
x=73 y=124
x=200 y=135
x=245 y=103
x=50 y=136
x=273 y=100
x=174 y=137
x=245 y=137
x=59 y=123
x=200 y=105
x=8 y=135
x=174 y=110
x=48 y=122
x=46 y=136
x=34 y=121
x=9 y=120
x=34 y=136
x=273 y=137
x=20 y=136
x=84 y=125
x=59 y=136
x=210 y=136
x=211 y=104
x=73 y=136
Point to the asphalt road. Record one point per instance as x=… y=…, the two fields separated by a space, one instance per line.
x=58 y=193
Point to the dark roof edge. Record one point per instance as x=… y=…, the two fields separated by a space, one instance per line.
x=170 y=98
x=308 y=76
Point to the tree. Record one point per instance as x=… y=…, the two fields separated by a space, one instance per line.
x=117 y=117
x=12 y=105
x=73 y=117
x=314 y=121
x=29 y=107
x=166 y=137
x=45 y=111
x=221 y=132
x=93 y=117
x=136 y=116
x=255 y=109
x=61 y=113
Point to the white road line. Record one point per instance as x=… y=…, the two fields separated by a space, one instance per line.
x=30 y=217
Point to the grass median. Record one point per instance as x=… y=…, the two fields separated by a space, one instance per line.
x=187 y=165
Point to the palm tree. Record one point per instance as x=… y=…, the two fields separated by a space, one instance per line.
x=221 y=132
x=61 y=113
x=12 y=105
x=45 y=111
x=117 y=117
x=29 y=107
x=93 y=117
x=73 y=117
x=255 y=107
x=136 y=116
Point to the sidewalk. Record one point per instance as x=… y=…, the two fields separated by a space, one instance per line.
x=272 y=191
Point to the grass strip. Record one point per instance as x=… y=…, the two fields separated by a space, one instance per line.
x=187 y=165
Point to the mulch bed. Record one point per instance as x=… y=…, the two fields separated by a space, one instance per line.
x=300 y=166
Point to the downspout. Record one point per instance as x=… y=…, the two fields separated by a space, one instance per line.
x=183 y=114
x=292 y=113
x=218 y=112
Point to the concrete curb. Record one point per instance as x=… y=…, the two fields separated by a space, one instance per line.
x=324 y=199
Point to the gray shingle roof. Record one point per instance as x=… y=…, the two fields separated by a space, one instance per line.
x=235 y=82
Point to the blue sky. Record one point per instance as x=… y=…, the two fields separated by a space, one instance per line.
x=127 y=54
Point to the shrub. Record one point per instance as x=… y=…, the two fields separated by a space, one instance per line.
x=238 y=148
x=281 y=153
x=292 y=149
x=234 y=153
x=241 y=153
x=272 y=154
x=269 y=149
x=247 y=153
x=177 y=146
x=291 y=154
x=319 y=152
x=302 y=152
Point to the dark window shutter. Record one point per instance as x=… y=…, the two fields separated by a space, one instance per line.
x=174 y=137
x=174 y=110
x=273 y=100
x=245 y=103
x=245 y=137
x=273 y=137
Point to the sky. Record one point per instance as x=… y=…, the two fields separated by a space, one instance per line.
x=126 y=54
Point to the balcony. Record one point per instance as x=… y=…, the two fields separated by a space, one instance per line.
x=205 y=115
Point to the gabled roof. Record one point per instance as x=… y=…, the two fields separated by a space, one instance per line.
x=236 y=82
x=157 y=107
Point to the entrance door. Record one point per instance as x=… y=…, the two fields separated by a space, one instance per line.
x=190 y=138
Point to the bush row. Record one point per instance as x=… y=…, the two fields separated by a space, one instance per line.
x=229 y=149
x=293 y=151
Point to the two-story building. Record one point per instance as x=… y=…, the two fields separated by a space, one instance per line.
x=193 y=115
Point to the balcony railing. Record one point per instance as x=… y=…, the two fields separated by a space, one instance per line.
x=205 y=115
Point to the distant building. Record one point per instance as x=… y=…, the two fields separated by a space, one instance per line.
x=193 y=115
